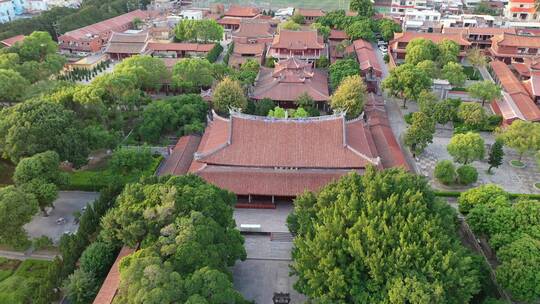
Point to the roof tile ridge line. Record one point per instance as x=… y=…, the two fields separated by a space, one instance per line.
x=375 y=161
x=200 y=156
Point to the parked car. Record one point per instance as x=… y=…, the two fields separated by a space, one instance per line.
x=381 y=42
x=383 y=48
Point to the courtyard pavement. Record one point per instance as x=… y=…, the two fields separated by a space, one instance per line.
x=271 y=220
x=68 y=202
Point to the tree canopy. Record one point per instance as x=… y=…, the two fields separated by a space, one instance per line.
x=523 y=136
x=360 y=29
x=341 y=69
x=407 y=82
x=149 y=71
x=379 y=238
x=466 y=148
x=485 y=91
x=203 y=30
x=192 y=74
x=350 y=96
x=420 y=133
x=16 y=209
x=12 y=86
x=453 y=72
x=229 y=94
x=364 y=8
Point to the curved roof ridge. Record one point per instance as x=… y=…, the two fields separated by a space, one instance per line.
x=236 y=114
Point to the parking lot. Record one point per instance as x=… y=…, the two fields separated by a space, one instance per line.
x=66 y=205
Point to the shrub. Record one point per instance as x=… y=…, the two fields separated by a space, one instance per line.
x=467 y=175
x=408 y=118
x=445 y=172
x=213 y=55
x=97 y=259
x=42 y=242
x=125 y=160
x=494 y=120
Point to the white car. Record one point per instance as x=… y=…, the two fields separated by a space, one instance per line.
x=383 y=48
x=381 y=42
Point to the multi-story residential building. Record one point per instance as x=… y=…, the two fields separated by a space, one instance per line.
x=421 y=20
x=521 y=10
x=7 y=11
x=398 y=46
x=512 y=47
x=92 y=38
x=305 y=45
x=398 y=7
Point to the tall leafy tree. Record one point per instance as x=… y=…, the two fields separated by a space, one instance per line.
x=350 y=96
x=420 y=133
x=149 y=71
x=523 y=136
x=453 y=72
x=361 y=29
x=191 y=74
x=81 y=287
x=36 y=126
x=379 y=238
x=364 y=8
x=496 y=155
x=229 y=94
x=485 y=91
x=388 y=27
x=476 y=58
x=429 y=67
x=407 y=82
x=421 y=49
x=448 y=52
x=16 y=209
x=12 y=86
x=341 y=69
x=466 y=148
x=472 y=114
x=204 y=30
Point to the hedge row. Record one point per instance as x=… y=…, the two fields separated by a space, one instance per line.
x=512 y=195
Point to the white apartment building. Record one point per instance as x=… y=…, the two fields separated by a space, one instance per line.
x=398 y=7
x=521 y=11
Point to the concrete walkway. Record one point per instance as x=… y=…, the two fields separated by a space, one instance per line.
x=21 y=256
x=485 y=74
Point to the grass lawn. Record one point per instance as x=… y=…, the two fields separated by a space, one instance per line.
x=6 y=172
x=469 y=71
x=96 y=179
x=516 y=163
x=276 y=4
x=20 y=286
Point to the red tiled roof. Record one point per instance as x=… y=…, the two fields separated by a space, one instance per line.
x=478 y=30
x=242 y=11
x=179 y=161
x=517 y=94
x=522 y=69
x=106 y=25
x=178 y=47
x=306 y=12
x=229 y=21
x=435 y=37
x=112 y=281
x=367 y=58
x=297 y=40
x=12 y=40
x=338 y=35
x=506 y=39
x=531 y=10
x=253 y=29
x=290 y=79
x=121 y=43
x=252 y=141
x=249 y=48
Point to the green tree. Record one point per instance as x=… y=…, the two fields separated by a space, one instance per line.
x=12 y=86
x=520 y=267
x=322 y=30
x=126 y=160
x=191 y=74
x=304 y=100
x=467 y=174
x=289 y=25
x=36 y=46
x=149 y=71
x=407 y=82
x=16 y=209
x=420 y=133
x=472 y=114
x=229 y=94
x=213 y=287
x=204 y=30
x=448 y=52
x=388 y=27
x=426 y=102
x=97 y=259
x=300 y=113
x=81 y=287
x=445 y=172
x=496 y=155
x=9 y=61
x=297 y=18
x=453 y=72
x=341 y=69
x=466 y=148
x=376 y=230
x=476 y=58
x=36 y=126
x=262 y=107
x=485 y=91
x=350 y=96
x=364 y=8
x=361 y=29
x=523 y=136
x=278 y=112
x=445 y=111
x=421 y=49
x=481 y=196
x=43 y=165
x=429 y=67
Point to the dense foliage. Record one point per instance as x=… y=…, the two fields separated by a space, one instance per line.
x=16 y=209
x=188 y=238
x=380 y=238
x=350 y=96
x=341 y=69
x=512 y=229
x=203 y=30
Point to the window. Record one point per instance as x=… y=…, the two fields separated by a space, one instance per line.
x=514 y=15
x=521 y=50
